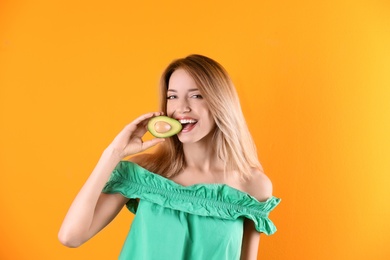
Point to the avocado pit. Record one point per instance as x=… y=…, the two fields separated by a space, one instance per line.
x=162 y=127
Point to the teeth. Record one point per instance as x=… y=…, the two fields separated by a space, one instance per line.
x=187 y=121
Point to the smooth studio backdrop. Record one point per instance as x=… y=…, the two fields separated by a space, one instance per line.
x=314 y=82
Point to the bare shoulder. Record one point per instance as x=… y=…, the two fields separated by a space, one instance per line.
x=259 y=185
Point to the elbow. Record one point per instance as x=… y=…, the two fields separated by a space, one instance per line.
x=69 y=240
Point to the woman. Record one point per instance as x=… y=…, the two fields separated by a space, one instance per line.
x=201 y=195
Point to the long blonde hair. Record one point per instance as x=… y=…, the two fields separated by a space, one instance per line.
x=232 y=140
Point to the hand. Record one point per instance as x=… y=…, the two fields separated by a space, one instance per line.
x=129 y=140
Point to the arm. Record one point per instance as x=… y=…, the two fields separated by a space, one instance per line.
x=250 y=241
x=92 y=210
x=260 y=187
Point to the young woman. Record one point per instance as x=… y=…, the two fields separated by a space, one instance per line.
x=201 y=195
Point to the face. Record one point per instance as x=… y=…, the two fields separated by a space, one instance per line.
x=186 y=104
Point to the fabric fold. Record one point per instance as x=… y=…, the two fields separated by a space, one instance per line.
x=216 y=200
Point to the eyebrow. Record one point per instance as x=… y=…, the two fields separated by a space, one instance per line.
x=190 y=90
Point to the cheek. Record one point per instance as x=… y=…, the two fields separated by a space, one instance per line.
x=210 y=119
x=170 y=109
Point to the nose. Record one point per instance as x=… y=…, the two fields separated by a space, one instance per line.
x=183 y=106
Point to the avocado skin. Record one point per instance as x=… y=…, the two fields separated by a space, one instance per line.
x=175 y=126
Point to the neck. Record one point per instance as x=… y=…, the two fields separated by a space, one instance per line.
x=201 y=156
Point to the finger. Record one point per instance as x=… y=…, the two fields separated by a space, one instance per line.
x=141 y=119
x=140 y=131
x=150 y=143
x=142 y=127
x=145 y=117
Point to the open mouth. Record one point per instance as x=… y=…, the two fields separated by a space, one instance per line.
x=187 y=124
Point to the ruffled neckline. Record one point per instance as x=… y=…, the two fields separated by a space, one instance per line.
x=205 y=199
x=197 y=185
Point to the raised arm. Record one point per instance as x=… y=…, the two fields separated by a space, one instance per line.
x=92 y=210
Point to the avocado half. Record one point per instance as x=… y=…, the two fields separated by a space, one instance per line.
x=163 y=126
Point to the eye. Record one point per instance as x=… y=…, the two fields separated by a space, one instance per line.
x=197 y=96
x=171 y=96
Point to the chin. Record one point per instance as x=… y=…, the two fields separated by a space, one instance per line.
x=188 y=139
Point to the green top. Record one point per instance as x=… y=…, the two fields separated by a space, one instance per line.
x=202 y=221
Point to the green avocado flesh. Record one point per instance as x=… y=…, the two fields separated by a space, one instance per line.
x=163 y=126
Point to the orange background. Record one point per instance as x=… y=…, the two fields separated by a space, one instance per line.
x=313 y=78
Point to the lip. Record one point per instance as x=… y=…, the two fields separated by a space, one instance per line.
x=185 y=118
x=187 y=129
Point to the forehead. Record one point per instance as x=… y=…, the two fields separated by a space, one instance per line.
x=181 y=80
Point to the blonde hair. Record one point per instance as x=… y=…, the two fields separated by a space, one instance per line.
x=232 y=140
